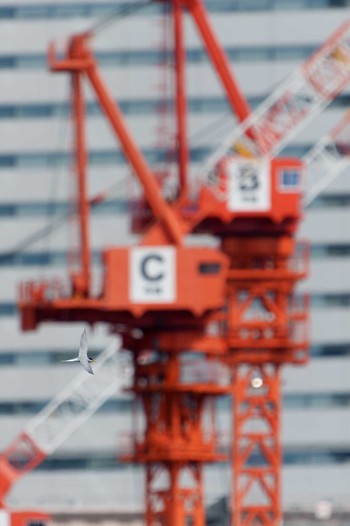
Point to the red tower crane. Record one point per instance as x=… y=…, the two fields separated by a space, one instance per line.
x=172 y=287
x=234 y=305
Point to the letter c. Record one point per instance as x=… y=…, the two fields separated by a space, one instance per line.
x=145 y=271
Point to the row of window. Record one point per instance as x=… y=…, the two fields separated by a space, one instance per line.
x=113 y=206
x=330 y=250
x=215 y=105
x=32 y=358
x=290 y=401
x=34 y=407
x=100 y=157
x=154 y=57
x=111 y=157
x=129 y=107
x=41 y=259
x=122 y=206
x=318 y=301
x=330 y=300
x=18 y=258
x=331 y=201
x=96 y=9
x=315 y=455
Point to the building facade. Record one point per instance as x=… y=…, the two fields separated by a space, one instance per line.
x=265 y=41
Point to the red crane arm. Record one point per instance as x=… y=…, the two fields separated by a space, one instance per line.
x=20 y=458
x=79 y=59
x=219 y=59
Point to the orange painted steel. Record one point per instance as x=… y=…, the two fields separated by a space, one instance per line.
x=267 y=327
x=79 y=58
x=20 y=458
x=218 y=57
x=29 y=517
x=257 y=451
x=175 y=437
x=233 y=304
x=181 y=98
x=199 y=287
x=177 y=440
x=81 y=279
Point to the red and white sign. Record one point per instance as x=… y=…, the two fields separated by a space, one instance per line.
x=249 y=188
x=152 y=275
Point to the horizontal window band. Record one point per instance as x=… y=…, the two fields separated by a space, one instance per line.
x=201 y=105
x=154 y=57
x=35 y=358
x=318 y=301
x=96 y=9
x=121 y=206
x=291 y=401
x=314 y=455
x=110 y=157
x=19 y=258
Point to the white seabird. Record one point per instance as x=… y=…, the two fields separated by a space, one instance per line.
x=82 y=356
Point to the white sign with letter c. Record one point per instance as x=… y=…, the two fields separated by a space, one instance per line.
x=152 y=274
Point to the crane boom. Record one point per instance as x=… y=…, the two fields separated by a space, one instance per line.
x=292 y=105
x=62 y=416
x=79 y=60
x=329 y=157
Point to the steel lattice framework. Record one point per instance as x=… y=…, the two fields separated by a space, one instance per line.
x=234 y=304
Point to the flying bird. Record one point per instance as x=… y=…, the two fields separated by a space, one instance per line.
x=82 y=356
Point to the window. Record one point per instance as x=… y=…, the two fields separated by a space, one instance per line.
x=333 y=250
x=97 y=9
x=204 y=105
x=209 y=268
x=289 y=179
x=152 y=57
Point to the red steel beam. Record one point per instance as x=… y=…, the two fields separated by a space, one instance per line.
x=181 y=98
x=219 y=59
x=83 y=278
x=80 y=58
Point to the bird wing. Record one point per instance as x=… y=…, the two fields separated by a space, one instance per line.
x=83 y=348
x=85 y=363
x=71 y=360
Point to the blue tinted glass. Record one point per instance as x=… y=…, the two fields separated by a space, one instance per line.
x=96 y=9
x=146 y=107
x=289 y=178
x=140 y=57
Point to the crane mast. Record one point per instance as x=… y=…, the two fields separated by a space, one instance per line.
x=233 y=306
x=176 y=441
